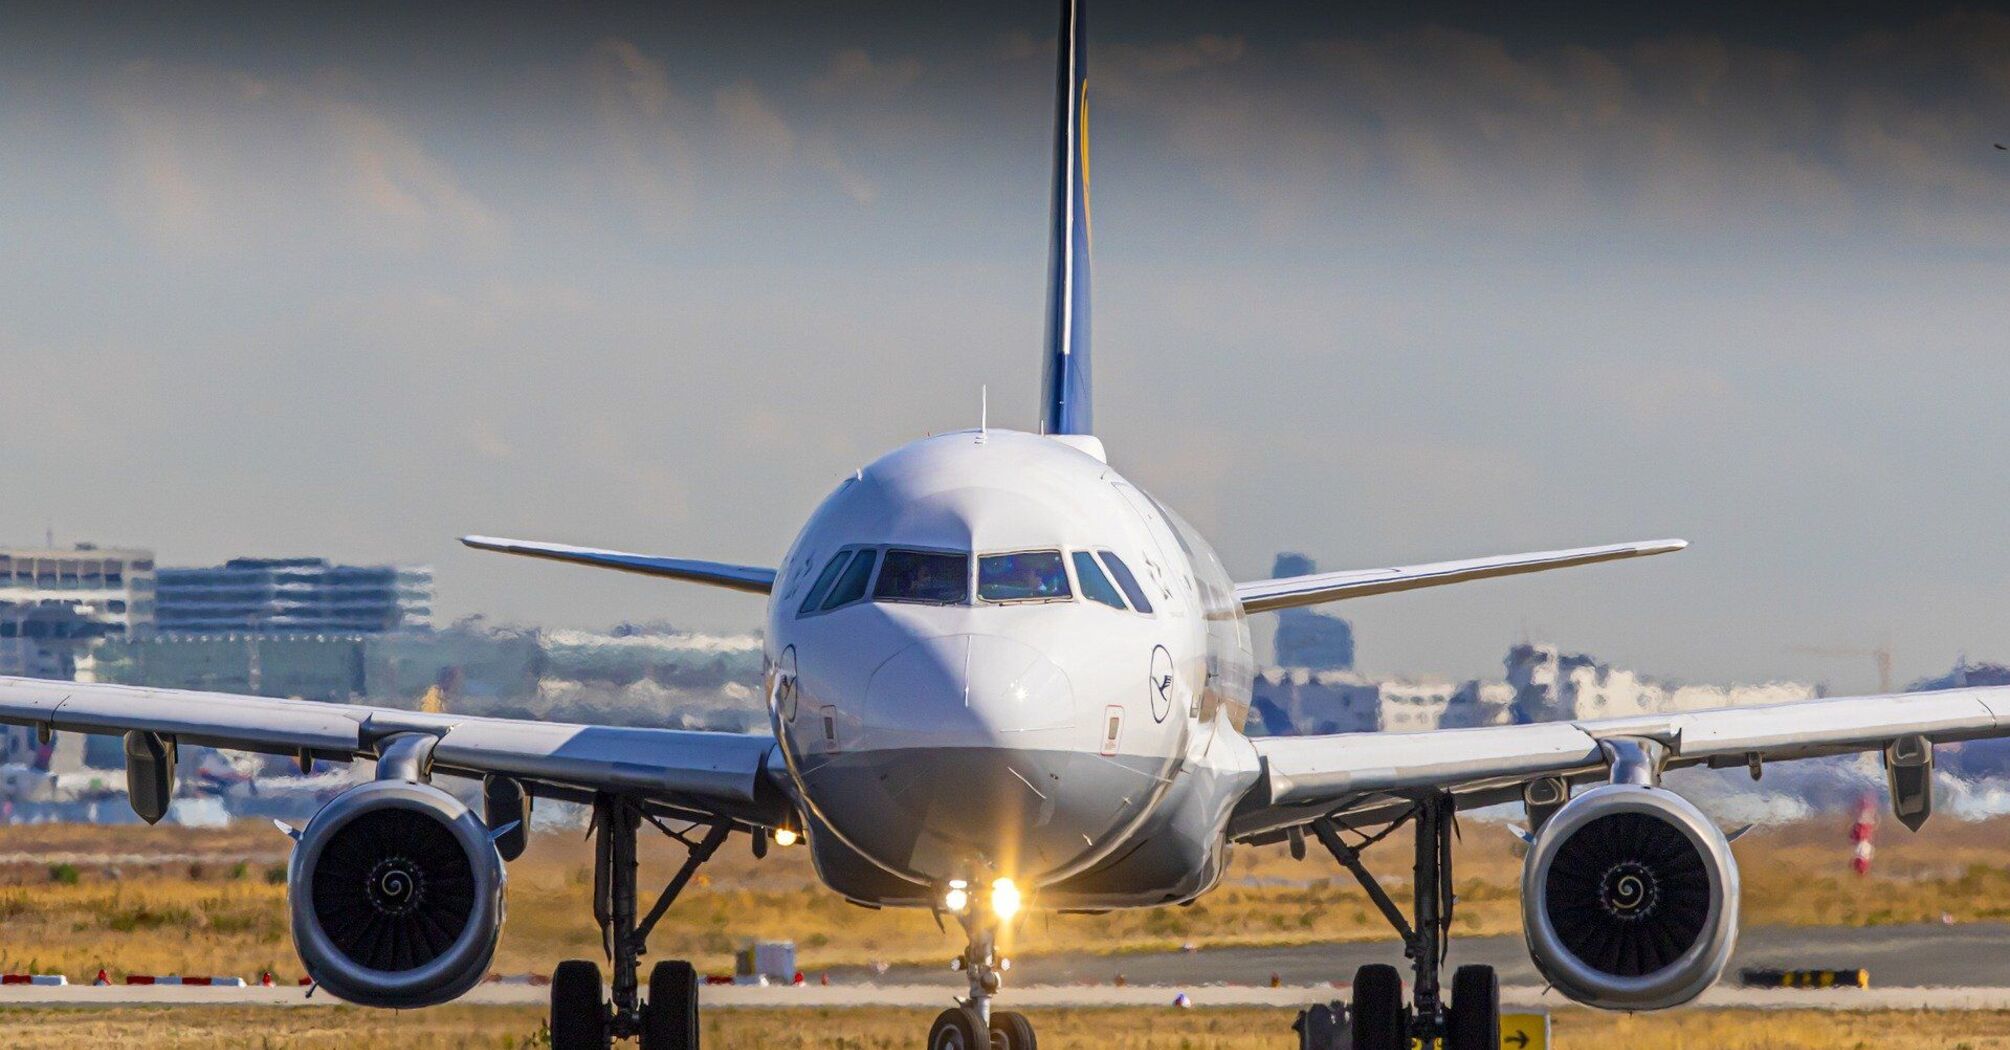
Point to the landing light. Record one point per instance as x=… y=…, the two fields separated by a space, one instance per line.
x=1004 y=899
x=784 y=837
x=957 y=899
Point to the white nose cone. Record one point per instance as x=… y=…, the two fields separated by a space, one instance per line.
x=969 y=687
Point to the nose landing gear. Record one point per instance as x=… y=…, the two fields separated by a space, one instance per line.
x=971 y=1024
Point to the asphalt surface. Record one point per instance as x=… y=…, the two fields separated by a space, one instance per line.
x=1911 y=967
x=1966 y=956
x=1032 y=998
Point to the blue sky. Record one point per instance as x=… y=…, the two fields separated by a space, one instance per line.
x=1376 y=284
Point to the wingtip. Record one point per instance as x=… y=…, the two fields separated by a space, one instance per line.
x=483 y=543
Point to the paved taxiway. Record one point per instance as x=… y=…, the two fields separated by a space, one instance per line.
x=1913 y=956
x=1030 y=998
x=1911 y=967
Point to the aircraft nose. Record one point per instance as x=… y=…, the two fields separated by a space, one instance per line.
x=970 y=687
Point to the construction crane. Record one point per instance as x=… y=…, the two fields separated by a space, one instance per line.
x=1882 y=654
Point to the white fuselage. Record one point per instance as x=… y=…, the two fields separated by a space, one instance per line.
x=1008 y=723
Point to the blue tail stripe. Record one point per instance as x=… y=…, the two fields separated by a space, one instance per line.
x=1066 y=406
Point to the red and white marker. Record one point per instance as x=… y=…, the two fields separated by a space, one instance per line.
x=1860 y=833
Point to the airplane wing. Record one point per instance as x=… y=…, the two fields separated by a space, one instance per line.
x=1267 y=595
x=749 y=578
x=1305 y=777
x=722 y=774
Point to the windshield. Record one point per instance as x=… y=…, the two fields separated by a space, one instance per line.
x=824 y=581
x=1028 y=576
x=1127 y=581
x=923 y=576
x=1095 y=586
x=851 y=586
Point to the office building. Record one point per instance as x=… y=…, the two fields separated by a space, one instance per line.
x=114 y=587
x=293 y=596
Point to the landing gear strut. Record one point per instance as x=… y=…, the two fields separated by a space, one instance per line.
x=668 y=1019
x=971 y=1024
x=1380 y=1018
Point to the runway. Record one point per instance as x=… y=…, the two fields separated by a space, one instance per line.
x=1911 y=967
x=1029 y=998
x=1911 y=956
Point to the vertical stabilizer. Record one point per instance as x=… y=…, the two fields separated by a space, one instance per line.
x=1065 y=404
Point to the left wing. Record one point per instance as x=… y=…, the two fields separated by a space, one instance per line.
x=1305 y=777
x=721 y=774
x=750 y=578
x=1266 y=595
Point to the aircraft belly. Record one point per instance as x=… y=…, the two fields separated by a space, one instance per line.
x=1177 y=854
x=932 y=814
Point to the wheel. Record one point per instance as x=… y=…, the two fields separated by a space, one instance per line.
x=955 y=1029
x=1011 y=1031
x=1379 y=1021
x=1474 y=1021
x=578 y=1018
x=670 y=1017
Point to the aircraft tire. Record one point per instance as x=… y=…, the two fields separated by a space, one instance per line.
x=1013 y=1031
x=578 y=1016
x=670 y=1018
x=1379 y=1021
x=1474 y=1021
x=955 y=1029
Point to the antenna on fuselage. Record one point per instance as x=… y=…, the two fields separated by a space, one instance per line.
x=983 y=412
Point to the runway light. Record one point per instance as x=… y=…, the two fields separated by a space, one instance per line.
x=958 y=897
x=1004 y=898
x=784 y=837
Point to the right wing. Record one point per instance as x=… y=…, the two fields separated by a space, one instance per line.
x=723 y=774
x=750 y=578
x=1266 y=595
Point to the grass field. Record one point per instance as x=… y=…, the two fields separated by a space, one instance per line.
x=74 y=899
x=1158 y=1028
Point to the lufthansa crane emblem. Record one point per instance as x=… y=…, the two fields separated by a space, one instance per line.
x=1161 y=683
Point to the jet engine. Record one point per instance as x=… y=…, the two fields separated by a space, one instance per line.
x=396 y=894
x=1630 y=899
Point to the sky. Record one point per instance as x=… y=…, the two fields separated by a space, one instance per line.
x=1378 y=283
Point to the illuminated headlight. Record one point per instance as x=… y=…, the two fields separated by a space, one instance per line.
x=1004 y=899
x=784 y=837
x=958 y=897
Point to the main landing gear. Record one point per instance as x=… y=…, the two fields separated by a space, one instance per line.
x=971 y=1024
x=1381 y=1019
x=668 y=1019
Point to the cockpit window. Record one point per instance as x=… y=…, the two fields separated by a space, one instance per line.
x=1095 y=586
x=923 y=576
x=824 y=581
x=851 y=585
x=1027 y=576
x=1127 y=581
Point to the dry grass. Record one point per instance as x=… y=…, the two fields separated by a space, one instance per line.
x=1130 y=1028
x=215 y=907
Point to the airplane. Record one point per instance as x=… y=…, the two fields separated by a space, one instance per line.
x=1001 y=677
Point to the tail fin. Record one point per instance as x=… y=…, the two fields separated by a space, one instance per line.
x=1065 y=406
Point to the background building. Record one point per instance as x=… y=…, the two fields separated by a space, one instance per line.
x=299 y=665
x=294 y=596
x=46 y=639
x=1306 y=637
x=1543 y=684
x=110 y=586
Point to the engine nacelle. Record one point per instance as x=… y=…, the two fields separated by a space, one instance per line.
x=396 y=895
x=1630 y=899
